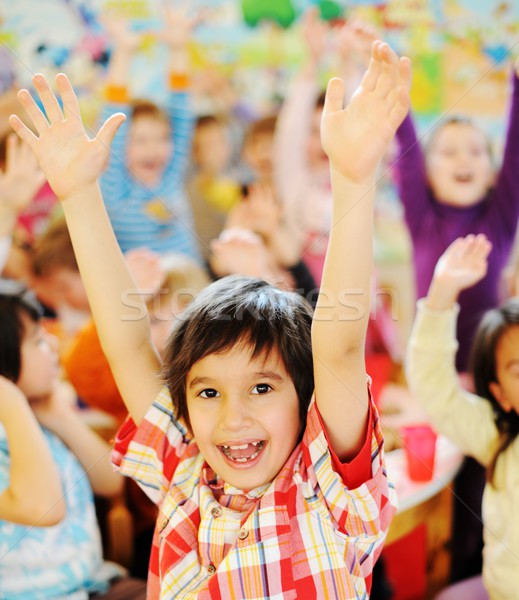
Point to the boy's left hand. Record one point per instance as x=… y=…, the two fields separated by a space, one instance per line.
x=70 y=160
x=376 y=110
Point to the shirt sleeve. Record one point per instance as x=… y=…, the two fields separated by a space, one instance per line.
x=181 y=119
x=410 y=175
x=505 y=200
x=115 y=180
x=463 y=417
x=151 y=451
x=367 y=508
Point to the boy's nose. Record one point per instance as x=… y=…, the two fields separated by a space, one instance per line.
x=234 y=415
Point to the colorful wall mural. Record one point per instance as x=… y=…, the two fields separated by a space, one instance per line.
x=461 y=49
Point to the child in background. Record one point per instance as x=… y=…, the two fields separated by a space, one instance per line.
x=253 y=491
x=144 y=181
x=213 y=185
x=484 y=424
x=55 y=274
x=257 y=151
x=62 y=560
x=301 y=169
x=451 y=192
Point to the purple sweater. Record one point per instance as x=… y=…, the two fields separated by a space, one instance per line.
x=434 y=226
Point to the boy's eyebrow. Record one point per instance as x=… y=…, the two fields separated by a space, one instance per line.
x=256 y=375
x=268 y=375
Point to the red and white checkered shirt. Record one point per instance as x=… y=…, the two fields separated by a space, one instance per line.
x=313 y=532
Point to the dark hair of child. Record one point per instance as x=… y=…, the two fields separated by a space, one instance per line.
x=493 y=326
x=15 y=300
x=240 y=309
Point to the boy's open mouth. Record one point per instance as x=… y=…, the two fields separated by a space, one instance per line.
x=243 y=453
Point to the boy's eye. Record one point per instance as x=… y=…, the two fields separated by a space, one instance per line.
x=261 y=388
x=208 y=393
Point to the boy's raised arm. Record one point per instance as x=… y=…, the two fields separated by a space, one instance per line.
x=72 y=163
x=355 y=139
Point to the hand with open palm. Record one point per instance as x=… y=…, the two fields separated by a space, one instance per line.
x=376 y=110
x=461 y=266
x=70 y=160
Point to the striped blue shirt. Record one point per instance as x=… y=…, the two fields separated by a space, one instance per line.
x=157 y=217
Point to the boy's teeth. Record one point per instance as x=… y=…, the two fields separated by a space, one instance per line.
x=241 y=447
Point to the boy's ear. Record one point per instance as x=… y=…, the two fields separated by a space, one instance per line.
x=498 y=394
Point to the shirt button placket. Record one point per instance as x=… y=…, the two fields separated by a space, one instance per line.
x=211 y=569
x=244 y=534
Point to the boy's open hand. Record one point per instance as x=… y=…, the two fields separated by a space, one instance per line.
x=355 y=138
x=69 y=159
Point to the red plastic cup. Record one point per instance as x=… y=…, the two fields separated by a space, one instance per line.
x=420 y=449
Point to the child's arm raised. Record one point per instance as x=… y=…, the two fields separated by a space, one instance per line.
x=72 y=162
x=430 y=365
x=355 y=139
x=34 y=495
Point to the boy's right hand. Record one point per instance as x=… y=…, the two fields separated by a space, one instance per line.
x=461 y=266
x=69 y=159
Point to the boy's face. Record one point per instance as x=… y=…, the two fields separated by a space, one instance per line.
x=244 y=414
x=40 y=365
x=211 y=148
x=506 y=389
x=459 y=168
x=149 y=148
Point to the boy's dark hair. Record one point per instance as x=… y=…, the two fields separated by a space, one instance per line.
x=240 y=309
x=493 y=326
x=53 y=249
x=145 y=108
x=15 y=300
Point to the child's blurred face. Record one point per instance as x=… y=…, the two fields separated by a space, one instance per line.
x=459 y=167
x=149 y=148
x=39 y=358
x=244 y=413
x=317 y=158
x=211 y=148
x=62 y=286
x=257 y=154
x=506 y=389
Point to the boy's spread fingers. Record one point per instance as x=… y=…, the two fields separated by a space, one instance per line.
x=68 y=97
x=50 y=103
x=33 y=111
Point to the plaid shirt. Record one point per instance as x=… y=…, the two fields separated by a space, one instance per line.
x=313 y=532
